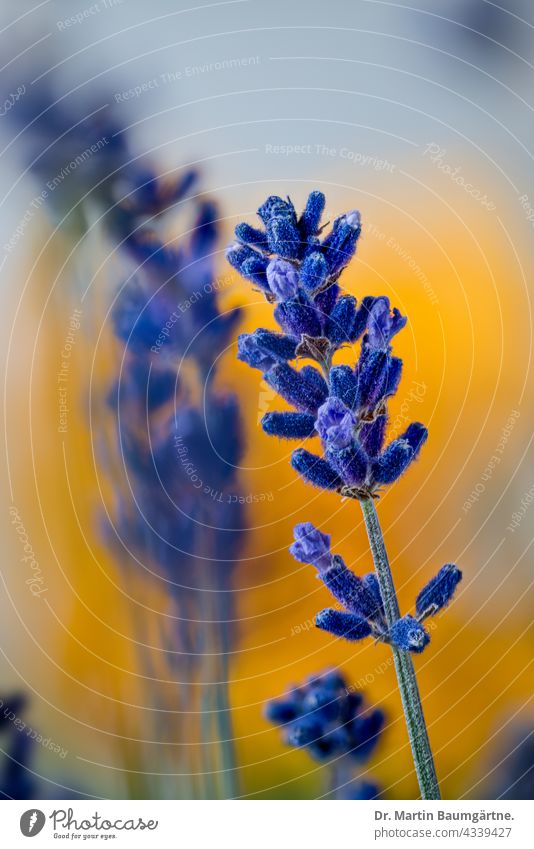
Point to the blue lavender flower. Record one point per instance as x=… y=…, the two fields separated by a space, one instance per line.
x=298 y=270
x=166 y=309
x=363 y=612
x=325 y=718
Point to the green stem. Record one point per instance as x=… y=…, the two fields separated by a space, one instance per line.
x=411 y=699
x=224 y=721
x=217 y=625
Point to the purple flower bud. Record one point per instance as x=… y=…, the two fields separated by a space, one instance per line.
x=289 y=425
x=340 y=245
x=314 y=271
x=251 y=236
x=254 y=268
x=283 y=279
x=282 y=235
x=311 y=217
x=298 y=316
x=325 y=300
x=248 y=351
x=315 y=470
x=342 y=624
x=371 y=436
x=248 y=262
x=341 y=321
x=370 y=582
x=232 y=249
x=295 y=387
x=439 y=591
x=311 y=546
x=372 y=373
x=349 y=589
x=274 y=205
x=282 y=711
x=264 y=348
x=408 y=634
x=393 y=376
x=350 y=463
x=335 y=423
x=323 y=716
x=399 y=454
x=362 y=317
x=344 y=385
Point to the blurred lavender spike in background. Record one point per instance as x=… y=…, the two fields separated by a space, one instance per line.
x=332 y=722
x=177 y=513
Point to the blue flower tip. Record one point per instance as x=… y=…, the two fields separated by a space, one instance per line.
x=230 y=249
x=353 y=219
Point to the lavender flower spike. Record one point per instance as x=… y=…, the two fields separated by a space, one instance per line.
x=348 y=405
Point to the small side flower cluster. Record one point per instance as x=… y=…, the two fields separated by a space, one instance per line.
x=362 y=614
x=327 y=720
x=347 y=407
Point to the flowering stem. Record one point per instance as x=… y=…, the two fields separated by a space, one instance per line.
x=411 y=699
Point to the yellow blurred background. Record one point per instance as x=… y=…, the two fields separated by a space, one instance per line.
x=237 y=87
x=464 y=351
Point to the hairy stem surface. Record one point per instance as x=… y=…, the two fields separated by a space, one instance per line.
x=411 y=699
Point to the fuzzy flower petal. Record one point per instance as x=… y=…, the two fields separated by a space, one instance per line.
x=344 y=385
x=298 y=316
x=370 y=582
